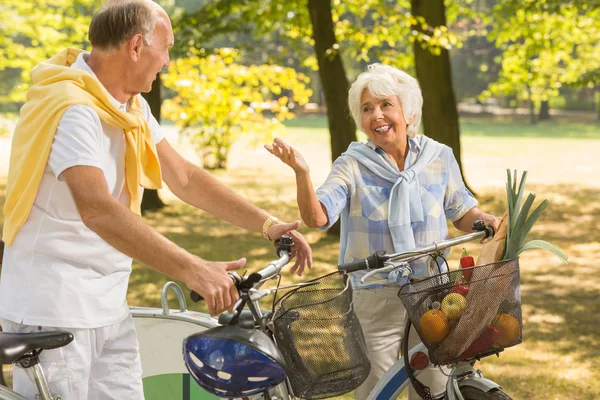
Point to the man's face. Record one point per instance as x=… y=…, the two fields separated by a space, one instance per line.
x=155 y=55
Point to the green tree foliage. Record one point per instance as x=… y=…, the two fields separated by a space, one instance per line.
x=476 y=62
x=32 y=34
x=361 y=30
x=546 y=44
x=218 y=100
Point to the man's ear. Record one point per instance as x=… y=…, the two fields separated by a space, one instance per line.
x=135 y=45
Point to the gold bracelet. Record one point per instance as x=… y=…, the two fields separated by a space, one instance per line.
x=265 y=229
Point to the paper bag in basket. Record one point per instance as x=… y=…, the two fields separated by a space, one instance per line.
x=493 y=250
x=484 y=297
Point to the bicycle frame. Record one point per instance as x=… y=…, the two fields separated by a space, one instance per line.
x=161 y=332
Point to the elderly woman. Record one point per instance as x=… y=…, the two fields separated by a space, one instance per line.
x=394 y=193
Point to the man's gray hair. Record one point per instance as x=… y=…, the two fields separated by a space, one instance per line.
x=383 y=81
x=118 y=20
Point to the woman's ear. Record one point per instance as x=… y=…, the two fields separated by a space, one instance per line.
x=410 y=119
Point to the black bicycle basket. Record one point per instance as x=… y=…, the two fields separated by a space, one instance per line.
x=321 y=339
x=463 y=320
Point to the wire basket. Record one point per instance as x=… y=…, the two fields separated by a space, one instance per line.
x=321 y=339
x=459 y=320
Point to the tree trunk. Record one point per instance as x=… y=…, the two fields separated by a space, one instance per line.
x=532 y=118
x=151 y=200
x=342 y=128
x=544 y=114
x=333 y=77
x=440 y=113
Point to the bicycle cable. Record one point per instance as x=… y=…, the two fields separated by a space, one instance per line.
x=275 y=296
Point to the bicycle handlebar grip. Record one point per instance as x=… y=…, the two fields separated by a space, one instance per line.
x=354 y=266
x=479 y=226
x=374 y=261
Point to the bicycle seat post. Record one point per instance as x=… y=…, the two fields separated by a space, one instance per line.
x=36 y=373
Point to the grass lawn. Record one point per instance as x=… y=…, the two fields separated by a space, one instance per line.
x=560 y=356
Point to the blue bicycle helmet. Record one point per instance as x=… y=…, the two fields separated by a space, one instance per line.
x=229 y=361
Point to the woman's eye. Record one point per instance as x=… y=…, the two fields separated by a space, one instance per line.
x=366 y=109
x=387 y=104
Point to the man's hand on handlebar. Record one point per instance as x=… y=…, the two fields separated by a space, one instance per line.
x=301 y=249
x=211 y=281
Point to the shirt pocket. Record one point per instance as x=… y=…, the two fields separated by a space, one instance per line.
x=432 y=200
x=374 y=202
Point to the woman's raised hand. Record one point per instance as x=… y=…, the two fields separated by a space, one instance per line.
x=288 y=155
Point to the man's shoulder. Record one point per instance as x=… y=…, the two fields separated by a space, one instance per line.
x=79 y=114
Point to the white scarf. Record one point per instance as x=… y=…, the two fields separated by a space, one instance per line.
x=404 y=205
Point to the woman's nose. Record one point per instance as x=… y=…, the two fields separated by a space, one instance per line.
x=377 y=115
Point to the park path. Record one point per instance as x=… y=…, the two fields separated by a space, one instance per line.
x=485 y=159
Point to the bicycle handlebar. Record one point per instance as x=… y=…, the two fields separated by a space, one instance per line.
x=377 y=259
x=283 y=246
x=374 y=261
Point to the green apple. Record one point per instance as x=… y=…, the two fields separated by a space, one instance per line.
x=453 y=304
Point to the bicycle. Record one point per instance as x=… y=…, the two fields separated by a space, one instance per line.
x=464 y=381
x=163 y=367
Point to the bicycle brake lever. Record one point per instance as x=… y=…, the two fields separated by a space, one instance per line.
x=254 y=294
x=388 y=268
x=375 y=271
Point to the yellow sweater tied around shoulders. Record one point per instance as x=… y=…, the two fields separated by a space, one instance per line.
x=55 y=88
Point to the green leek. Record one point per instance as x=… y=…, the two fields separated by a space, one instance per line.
x=520 y=221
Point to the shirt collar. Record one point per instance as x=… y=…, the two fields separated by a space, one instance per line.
x=80 y=63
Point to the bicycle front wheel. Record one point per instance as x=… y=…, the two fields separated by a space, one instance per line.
x=473 y=393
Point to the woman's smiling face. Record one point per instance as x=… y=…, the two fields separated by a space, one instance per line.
x=382 y=119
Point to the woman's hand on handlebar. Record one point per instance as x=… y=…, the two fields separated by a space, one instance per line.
x=490 y=220
x=211 y=281
x=465 y=224
x=301 y=249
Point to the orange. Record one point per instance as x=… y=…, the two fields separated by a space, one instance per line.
x=434 y=326
x=509 y=327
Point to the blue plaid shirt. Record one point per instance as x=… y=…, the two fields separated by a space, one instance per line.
x=361 y=198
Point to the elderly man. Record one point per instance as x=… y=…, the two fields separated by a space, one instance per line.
x=85 y=144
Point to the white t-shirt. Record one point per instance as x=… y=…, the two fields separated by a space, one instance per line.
x=58 y=272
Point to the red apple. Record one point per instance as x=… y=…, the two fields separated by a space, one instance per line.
x=460 y=289
x=484 y=342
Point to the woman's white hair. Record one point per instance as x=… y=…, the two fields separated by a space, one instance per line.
x=383 y=81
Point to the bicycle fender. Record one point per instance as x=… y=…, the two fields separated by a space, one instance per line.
x=481 y=383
